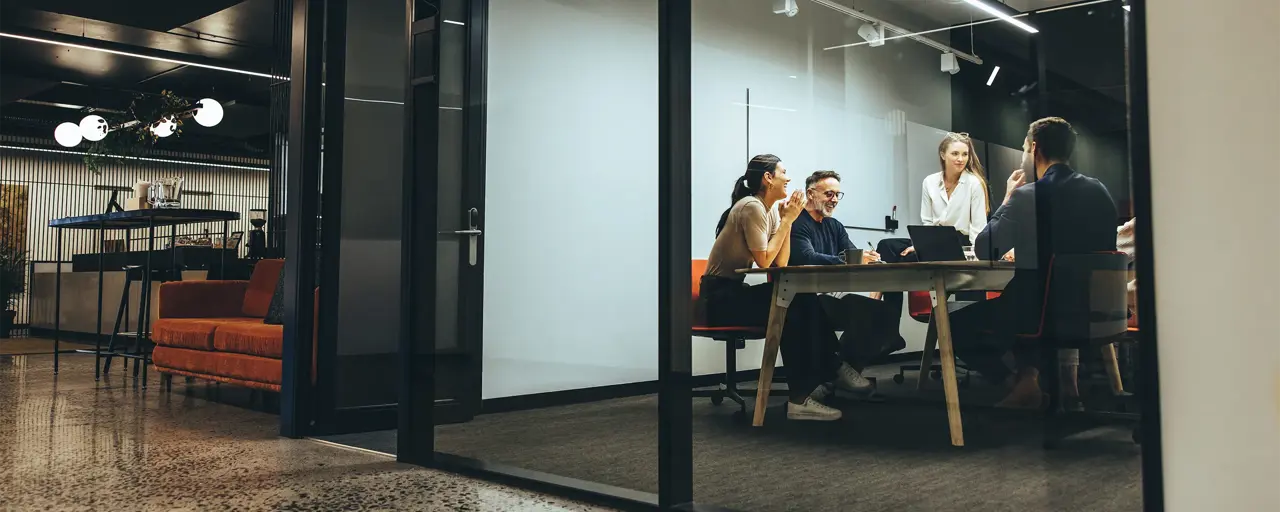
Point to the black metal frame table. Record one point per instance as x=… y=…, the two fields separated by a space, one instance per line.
x=150 y=219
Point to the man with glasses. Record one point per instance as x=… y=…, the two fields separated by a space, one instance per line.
x=818 y=238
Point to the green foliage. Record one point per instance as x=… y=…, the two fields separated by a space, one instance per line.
x=131 y=132
x=13 y=271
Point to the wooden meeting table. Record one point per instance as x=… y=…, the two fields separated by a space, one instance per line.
x=939 y=277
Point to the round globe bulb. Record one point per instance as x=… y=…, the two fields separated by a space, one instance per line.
x=67 y=135
x=209 y=112
x=164 y=128
x=93 y=128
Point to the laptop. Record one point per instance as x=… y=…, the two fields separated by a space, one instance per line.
x=936 y=243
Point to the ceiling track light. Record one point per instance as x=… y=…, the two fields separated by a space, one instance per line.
x=992 y=79
x=994 y=11
x=138 y=55
x=917 y=37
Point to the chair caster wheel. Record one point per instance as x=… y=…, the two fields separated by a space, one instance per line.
x=899 y=379
x=717 y=399
x=935 y=375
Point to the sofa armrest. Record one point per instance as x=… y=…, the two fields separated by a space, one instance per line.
x=202 y=299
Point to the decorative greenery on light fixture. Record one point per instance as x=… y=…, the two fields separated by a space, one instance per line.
x=148 y=119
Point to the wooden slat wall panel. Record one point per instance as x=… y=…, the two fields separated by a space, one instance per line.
x=60 y=185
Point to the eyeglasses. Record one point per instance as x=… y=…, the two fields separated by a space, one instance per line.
x=834 y=195
x=959 y=135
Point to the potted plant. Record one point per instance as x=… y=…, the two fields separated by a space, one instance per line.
x=13 y=273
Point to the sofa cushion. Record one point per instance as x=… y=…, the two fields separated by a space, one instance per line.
x=262 y=285
x=252 y=338
x=194 y=333
x=223 y=364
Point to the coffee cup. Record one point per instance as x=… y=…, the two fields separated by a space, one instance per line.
x=853 y=256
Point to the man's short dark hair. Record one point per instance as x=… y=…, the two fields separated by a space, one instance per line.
x=1054 y=138
x=817 y=176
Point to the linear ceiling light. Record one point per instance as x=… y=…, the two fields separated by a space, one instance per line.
x=992 y=79
x=997 y=13
x=141 y=158
x=137 y=55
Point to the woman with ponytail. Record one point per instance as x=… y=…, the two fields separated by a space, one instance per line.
x=756 y=229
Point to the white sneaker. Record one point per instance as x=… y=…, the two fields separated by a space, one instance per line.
x=811 y=410
x=852 y=380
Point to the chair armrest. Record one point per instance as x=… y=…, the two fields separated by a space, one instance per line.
x=202 y=299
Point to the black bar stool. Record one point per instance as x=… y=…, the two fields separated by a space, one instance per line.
x=135 y=273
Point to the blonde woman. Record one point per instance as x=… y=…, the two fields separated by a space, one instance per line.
x=956 y=195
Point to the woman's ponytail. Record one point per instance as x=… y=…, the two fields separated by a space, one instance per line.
x=749 y=183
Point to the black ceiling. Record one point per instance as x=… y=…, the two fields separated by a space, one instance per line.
x=236 y=34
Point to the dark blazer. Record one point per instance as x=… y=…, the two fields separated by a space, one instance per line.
x=1064 y=212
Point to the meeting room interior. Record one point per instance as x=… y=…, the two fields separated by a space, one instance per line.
x=742 y=255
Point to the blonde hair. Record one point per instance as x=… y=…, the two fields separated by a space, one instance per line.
x=974 y=166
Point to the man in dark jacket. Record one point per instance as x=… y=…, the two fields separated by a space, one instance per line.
x=1060 y=211
x=818 y=238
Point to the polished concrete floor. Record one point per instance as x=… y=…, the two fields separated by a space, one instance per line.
x=70 y=443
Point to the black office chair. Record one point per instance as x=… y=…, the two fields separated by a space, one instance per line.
x=1085 y=308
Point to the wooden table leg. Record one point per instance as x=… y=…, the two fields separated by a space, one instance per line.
x=949 y=384
x=1113 y=368
x=773 y=337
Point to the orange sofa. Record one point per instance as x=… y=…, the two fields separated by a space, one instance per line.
x=213 y=330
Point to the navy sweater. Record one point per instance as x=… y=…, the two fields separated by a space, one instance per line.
x=818 y=243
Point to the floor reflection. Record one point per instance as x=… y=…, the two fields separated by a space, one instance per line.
x=71 y=442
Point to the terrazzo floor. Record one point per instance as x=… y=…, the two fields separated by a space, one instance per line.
x=69 y=443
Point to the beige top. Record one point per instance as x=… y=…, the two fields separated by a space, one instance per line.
x=749 y=227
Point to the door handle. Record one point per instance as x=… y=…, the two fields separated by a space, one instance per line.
x=473 y=244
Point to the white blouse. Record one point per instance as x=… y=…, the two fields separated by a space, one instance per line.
x=965 y=210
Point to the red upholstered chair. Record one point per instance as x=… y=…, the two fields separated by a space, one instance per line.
x=734 y=338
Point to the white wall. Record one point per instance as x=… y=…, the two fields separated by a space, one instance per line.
x=571 y=294
x=1214 y=107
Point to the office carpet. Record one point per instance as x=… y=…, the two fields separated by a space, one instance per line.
x=891 y=456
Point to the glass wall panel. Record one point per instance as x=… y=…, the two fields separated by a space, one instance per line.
x=902 y=100
x=372 y=165
x=569 y=219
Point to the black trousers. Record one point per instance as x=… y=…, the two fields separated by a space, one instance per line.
x=809 y=346
x=983 y=332
x=870 y=327
x=890 y=250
